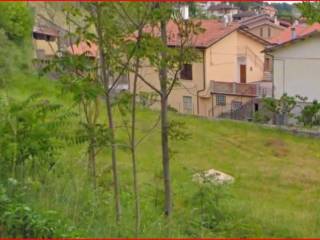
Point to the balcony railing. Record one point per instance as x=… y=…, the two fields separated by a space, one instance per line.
x=257 y=89
x=233 y=88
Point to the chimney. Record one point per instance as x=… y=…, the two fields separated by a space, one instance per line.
x=276 y=21
x=225 y=20
x=293 y=33
x=184 y=10
x=293 y=30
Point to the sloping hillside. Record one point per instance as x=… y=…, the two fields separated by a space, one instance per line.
x=275 y=193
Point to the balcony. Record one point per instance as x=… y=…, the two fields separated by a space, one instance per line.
x=233 y=88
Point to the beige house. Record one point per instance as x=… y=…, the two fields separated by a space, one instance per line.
x=227 y=77
x=296 y=60
x=45 y=42
x=264 y=26
x=48 y=38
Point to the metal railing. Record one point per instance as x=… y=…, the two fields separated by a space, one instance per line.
x=230 y=111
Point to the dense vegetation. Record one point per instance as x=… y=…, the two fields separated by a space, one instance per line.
x=46 y=189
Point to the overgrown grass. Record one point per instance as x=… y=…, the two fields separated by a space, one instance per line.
x=275 y=194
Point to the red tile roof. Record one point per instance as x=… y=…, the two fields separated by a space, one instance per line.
x=301 y=31
x=90 y=50
x=214 y=30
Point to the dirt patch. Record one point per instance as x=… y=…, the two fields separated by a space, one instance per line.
x=278 y=146
x=275 y=143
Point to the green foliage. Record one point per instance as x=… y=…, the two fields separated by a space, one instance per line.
x=285 y=10
x=245 y=6
x=147 y=99
x=261 y=117
x=18 y=220
x=310 y=10
x=15 y=39
x=30 y=131
x=16 y=20
x=209 y=206
x=200 y=211
x=310 y=115
x=178 y=131
x=280 y=107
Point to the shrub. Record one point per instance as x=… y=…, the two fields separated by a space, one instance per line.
x=18 y=220
x=280 y=107
x=261 y=117
x=310 y=115
x=147 y=99
x=31 y=132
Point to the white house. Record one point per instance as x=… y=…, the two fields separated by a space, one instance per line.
x=296 y=62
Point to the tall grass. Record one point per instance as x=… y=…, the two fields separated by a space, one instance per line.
x=275 y=194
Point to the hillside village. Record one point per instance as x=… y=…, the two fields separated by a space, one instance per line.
x=159 y=120
x=239 y=63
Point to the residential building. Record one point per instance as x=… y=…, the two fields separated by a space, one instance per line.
x=263 y=26
x=45 y=42
x=265 y=9
x=48 y=38
x=91 y=51
x=243 y=15
x=221 y=9
x=296 y=60
x=228 y=76
x=269 y=10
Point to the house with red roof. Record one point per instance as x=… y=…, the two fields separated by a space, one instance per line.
x=264 y=26
x=296 y=62
x=45 y=42
x=225 y=79
x=87 y=48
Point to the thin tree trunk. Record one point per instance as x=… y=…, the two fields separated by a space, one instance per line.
x=133 y=150
x=163 y=76
x=92 y=164
x=106 y=81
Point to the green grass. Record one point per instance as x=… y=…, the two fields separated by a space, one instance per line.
x=276 y=191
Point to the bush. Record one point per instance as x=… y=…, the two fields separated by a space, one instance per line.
x=31 y=135
x=18 y=220
x=310 y=115
x=282 y=107
x=261 y=117
x=147 y=99
x=210 y=212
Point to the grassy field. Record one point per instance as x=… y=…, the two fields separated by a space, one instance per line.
x=276 y=191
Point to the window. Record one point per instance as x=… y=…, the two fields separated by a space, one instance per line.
x=41 y=36
x=220 y=100
x=269 y=32
x=261 y=32
x=187 y=104
x=186 y=72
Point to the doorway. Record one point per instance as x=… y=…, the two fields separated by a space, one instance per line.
x=243 y=73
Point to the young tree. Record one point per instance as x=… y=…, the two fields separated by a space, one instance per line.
x=137 y=16
x=168 y=61
x=114 y=55
x=78 y=76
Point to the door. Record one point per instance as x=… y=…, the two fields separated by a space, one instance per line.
x=243 y=73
